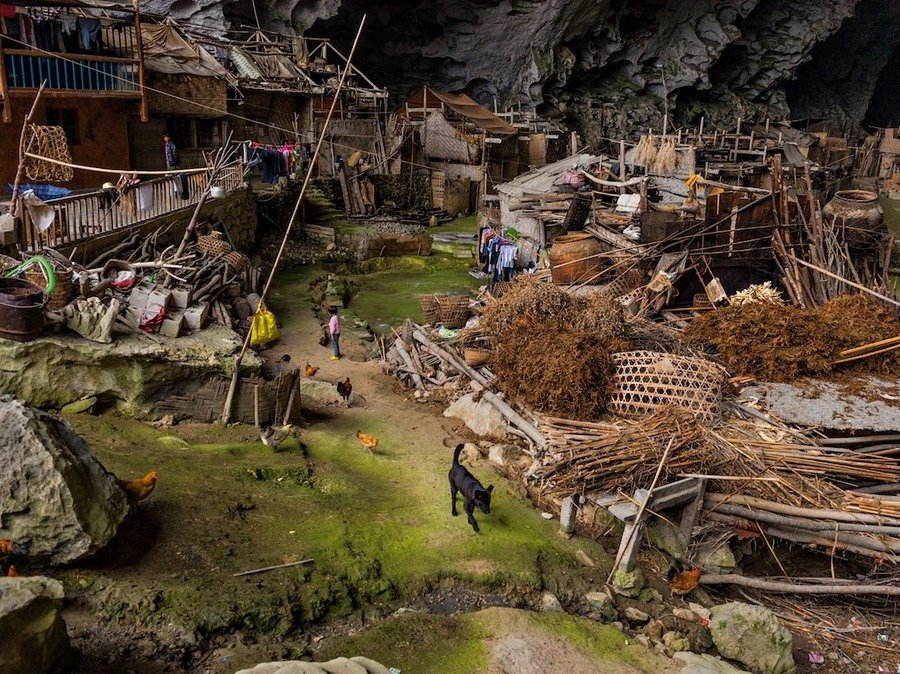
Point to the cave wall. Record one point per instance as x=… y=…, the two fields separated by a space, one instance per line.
x=609 y=66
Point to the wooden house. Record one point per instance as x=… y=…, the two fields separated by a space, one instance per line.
x=90 y=65
x=466 y=146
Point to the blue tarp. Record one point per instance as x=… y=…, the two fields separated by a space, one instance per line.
x=43 y=192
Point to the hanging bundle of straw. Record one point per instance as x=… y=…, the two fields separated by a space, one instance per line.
x=666 y=158
x=645 y=151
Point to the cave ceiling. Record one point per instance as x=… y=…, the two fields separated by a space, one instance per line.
x=612 y=67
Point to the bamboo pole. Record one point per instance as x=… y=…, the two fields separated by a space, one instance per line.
x=229 y=399
x=23 y=151
x=782 y=587
x=844 y=280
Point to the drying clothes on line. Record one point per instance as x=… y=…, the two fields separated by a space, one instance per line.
x=89 y=32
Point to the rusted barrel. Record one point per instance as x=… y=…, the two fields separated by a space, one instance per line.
x=857 y=216
x=21 y=309
x=575 y=258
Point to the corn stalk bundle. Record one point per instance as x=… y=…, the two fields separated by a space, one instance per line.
x=757 y=293
x=667 y=158
x=645 y=151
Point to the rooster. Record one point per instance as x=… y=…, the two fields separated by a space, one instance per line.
x=344 y=389
x=9 y=548
x=311 y=370
x=683 y=577
x=139 y=489
x=370 y=442
x=272 y=436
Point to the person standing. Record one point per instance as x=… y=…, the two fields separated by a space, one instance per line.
x=334 y=327
x=173 y=161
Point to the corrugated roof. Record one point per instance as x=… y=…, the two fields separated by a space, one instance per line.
x=463 y=105
x=545 y=178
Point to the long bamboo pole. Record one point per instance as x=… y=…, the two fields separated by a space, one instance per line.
x=23 y=151
x=229 y=399
x=796 y=588
x=844 y=280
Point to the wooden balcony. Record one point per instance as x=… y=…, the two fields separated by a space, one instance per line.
x=84 y=216
x=82 y=73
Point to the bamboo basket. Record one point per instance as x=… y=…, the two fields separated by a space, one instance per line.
x=646 y=381
x=63 y=292
x=213 y=243
x=454 y=310
x=475 y=356
x=431 y=312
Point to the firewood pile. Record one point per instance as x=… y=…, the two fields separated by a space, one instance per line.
x=762 y=479
x=161 y=292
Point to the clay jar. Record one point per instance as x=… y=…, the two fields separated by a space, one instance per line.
x=857 y=216
x=575 y=258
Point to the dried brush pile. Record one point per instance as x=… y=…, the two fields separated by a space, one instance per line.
x=554 y=351
x=782 y=343
x=623 y=455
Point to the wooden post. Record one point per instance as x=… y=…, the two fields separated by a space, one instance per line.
x=702 y=119
x=13 y=199
x=574 y=144
x=4 y=88
x=139 y=43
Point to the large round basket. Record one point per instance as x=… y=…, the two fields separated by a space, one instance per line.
x=646 y=381
x=454 y=310
x=431 y=312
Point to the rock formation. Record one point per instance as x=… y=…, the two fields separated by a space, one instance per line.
x=55 y=496
x=32 y=632
x=611 y=66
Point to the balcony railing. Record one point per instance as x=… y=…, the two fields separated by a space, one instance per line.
x=82 y=72
x=84 y=216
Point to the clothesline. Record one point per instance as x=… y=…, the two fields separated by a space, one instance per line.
x=97 y=169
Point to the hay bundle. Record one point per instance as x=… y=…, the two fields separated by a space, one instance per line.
x=645 y=151
x=666 y=160
x=757 y=293
x=554 y=351
x=782 y=343
x=538 y=303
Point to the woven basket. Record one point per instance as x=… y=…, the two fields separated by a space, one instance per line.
x=213 y=243
x=431 y=312
x=237 y=261
x=454 y=310
x=476 y=357
x=62 y=293
x=646 y=381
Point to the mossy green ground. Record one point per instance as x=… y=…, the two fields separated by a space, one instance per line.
x=376 y=528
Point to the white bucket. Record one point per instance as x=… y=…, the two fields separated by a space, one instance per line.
x=216 y=191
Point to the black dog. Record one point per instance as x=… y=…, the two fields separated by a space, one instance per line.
x=473 y=493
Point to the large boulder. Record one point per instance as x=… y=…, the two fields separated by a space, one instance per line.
x=753 y=636
x=55 y=496
x=32 y=632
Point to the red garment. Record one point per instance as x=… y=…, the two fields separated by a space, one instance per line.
x=7 y=11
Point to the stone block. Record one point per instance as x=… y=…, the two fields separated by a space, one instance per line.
x=140 y=296
x=195 y=315
x=182 y=297
x=172 y=323
x=132 y=316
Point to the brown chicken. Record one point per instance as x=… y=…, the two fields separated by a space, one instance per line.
x=11 y=571
x=9 y=548
x=311 y=370
x=344 y=389
x=138 y=490
x=683 y=579
x=370 y=442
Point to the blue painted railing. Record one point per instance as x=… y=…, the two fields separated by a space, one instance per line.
x=73 y=73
